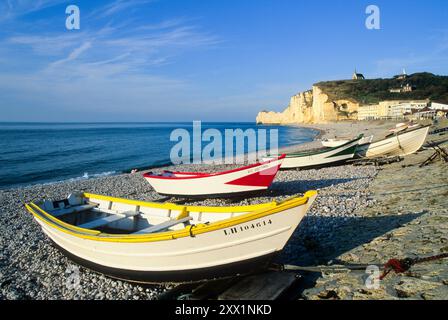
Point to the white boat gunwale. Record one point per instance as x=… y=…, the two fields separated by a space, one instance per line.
x=322 y=150
x=337 y=142
x=259 y=211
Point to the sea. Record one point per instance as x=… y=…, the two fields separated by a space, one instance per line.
x=39 y=153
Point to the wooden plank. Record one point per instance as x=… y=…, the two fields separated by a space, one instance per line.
x=61 y=212
x=163 y=225
x=212 y=289
x=109 y=219
x=443 y=152
x=264 y=286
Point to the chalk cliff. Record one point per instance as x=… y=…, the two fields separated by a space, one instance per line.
x=312 y=106
x=298 y=111
x=340 y=99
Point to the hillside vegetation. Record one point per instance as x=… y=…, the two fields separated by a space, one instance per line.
x=372 y=91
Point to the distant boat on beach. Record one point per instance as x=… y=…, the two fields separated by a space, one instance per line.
x=331 y=143
x=401 y=143
x=321 y=157
x=242 y=181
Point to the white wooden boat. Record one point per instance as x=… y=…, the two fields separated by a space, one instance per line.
x=399 y=144
x=331 y=143
x=163 y=242
x=242 y=181
x=321 y=157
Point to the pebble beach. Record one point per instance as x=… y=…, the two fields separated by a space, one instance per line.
x=363 y=214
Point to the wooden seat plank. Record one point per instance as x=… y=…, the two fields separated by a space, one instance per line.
x=109 y=219
x=163 y=225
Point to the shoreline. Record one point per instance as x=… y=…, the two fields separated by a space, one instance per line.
x=349 y=213
x=167 y=165
x=323 y=131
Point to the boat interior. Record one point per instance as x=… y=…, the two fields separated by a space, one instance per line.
x=120 y=216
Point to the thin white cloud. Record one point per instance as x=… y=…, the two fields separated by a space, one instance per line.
x=111 y=50
x=116 y=7
x=436 y=55
x=105 y=66
x=46 y=45
x=110 y=65
x=74 y=54
x=163 y=25
x=185 y=36
x=94 y=97
x=12 y=9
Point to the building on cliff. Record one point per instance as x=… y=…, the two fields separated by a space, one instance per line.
x=402 y=76
x=357 y=76
x=406 y=88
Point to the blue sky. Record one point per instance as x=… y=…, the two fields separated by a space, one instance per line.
x=214 y=60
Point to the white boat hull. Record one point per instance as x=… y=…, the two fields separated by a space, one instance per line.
x=253 y=179
x=325 y=157
x=401 y=144
x=206 y=255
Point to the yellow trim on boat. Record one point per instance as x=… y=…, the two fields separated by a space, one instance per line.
x=62 y=223
x=265 y=210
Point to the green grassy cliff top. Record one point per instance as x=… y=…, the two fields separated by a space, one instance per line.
x=371 y=91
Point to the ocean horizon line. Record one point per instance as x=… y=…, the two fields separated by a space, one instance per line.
x=114 y=122
x=32 y=153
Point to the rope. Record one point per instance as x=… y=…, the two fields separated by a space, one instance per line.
x=403 y=265
x=397 y=265
x=334 y=268
x=432 y=258
x=191 y=230
x=400 y=266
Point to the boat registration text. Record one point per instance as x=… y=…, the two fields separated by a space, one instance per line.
x=246 y=227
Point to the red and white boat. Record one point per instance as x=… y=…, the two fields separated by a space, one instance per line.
x=250 y=179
